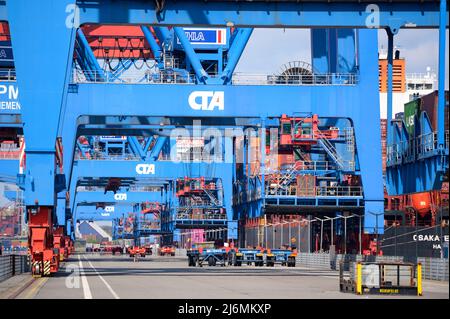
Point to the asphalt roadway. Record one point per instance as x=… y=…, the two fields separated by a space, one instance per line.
x=105 y=276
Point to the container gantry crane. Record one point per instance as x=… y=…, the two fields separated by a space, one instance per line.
x=93 y=102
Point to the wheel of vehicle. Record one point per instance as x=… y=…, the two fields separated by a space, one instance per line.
x=191 y=261
x=173 y=254
x=210 y=261
x=143 y=255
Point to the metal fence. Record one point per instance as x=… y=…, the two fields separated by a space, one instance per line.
x=11 y=265
x=434 y=268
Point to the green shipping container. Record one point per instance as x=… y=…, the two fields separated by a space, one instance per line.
x=411 y=110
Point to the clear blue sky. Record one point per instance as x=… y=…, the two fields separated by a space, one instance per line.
x=269 y=49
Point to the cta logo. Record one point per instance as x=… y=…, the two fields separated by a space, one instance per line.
x=120 y=196
x=145 y=169
x=106 y=214
x=109 y=209
x=207 y=100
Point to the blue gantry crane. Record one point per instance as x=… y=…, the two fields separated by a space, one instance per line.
x=325 y=115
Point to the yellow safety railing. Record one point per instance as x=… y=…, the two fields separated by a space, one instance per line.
x=358 y=278
x=419 y=279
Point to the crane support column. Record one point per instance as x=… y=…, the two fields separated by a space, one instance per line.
x=390 y=62
x=441 y=83
x=43 y=80
x=235 y=52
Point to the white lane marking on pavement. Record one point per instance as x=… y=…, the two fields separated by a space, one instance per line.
x=102 y=279
x=84 y=281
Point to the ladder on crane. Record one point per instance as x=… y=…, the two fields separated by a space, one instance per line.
x=330 y=149
x=211 y=196
x=288 y=177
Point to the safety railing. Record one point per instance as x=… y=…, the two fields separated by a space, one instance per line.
x=427 y=143
x=152 y=225
x=8 y=75
x=200 y=216
x=11 y=265
x=323 y=165
x=302 y=79
x=339 y=191
x=238 y=78
x=132 y=78
x=319 y=191
x=422 y=145
x=317 y=166
x=108 y=157
x=393 y=154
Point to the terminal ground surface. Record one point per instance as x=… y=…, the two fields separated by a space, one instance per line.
x=107 y=277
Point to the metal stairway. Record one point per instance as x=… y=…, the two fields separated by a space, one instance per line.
x=331 y=150
x=288 y=177
x=211 y=196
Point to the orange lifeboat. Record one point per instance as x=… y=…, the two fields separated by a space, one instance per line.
x=421 y=203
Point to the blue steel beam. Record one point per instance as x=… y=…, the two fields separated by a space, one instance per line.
x=121 y=68
x=302 y=14
x=154 y=153
x=93 y=213
x=135 y=146
x=441 y=84
x=163 y=34
x=41 y=99
x=390 y=53
x=258 y=101
x=154 y=46
x=235 y=52
x=163 y=170
x=192 y=57
x=94 y=71
x=131 y=197
x=147 y=146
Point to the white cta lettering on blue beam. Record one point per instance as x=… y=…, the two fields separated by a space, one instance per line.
x=145 y=169
x=207 y=100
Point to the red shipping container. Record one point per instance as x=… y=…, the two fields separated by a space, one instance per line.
x=429 y=104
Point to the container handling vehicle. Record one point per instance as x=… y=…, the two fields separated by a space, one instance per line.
x=236 y=257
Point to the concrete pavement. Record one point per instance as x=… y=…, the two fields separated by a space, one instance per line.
x=105 y=276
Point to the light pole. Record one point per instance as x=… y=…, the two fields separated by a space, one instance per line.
x=376 y=227
x=281 y=234
x=273 y=236
x=310 y=221
x=360 y=230
x=345 y=231
x=321 y=231
x=289 y=232
x=290 y=243
x=265 y=234
x=332 y=224
x=309 y=234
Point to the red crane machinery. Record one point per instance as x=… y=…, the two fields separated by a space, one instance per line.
x=44 y=260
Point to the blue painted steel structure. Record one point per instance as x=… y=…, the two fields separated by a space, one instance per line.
x=68 y=107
